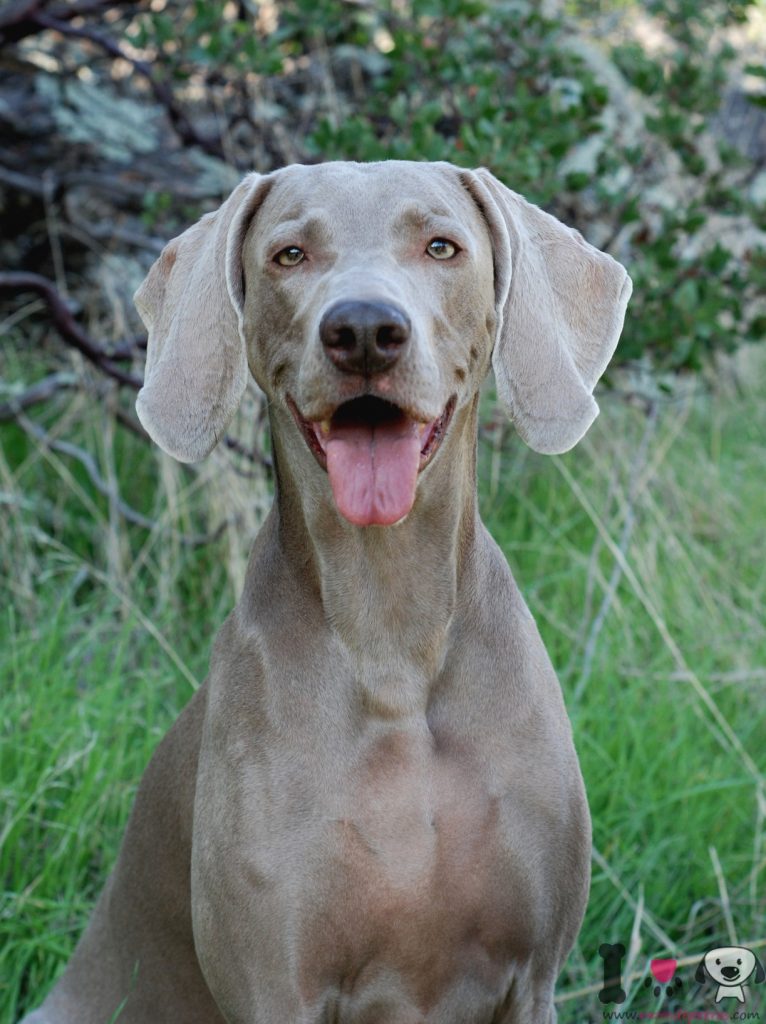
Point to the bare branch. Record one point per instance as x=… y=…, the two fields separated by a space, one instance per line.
x=19 y=18
x=253 y=454
x=183 y=127
x=21 y=182
x=67 y=326
x=39 y=392
x=88 y=463
x=105 y=360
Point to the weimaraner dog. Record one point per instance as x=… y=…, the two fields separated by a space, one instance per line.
x=372 y=810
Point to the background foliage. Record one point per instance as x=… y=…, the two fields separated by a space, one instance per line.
x=627 y=140
x=640 y=124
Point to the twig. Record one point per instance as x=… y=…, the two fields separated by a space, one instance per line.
x=19 y=18
x=54 y=234
x=109 y=229
x=128 y=513
x=115 y=184
x=737 y=675
x=131 y=423
x=128 y=348
x=21 y=182
x=74 y=335
x=183 y=127
x=39 y=392
x=129 y=603
x=132 y=186
x=67 y=326
x=253 y=454
x=89 y=465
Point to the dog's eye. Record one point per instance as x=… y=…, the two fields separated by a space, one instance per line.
x=718 y=962
x=739 y=961
x=290 y=257
x=441 y=249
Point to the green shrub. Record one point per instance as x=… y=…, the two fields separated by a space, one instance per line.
x=498 y=84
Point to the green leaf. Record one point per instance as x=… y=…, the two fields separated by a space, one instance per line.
x=687 y=296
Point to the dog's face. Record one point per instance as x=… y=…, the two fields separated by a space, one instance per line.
x=730 y=965
x=406 y=236
x=368 y=300
x=369 y=314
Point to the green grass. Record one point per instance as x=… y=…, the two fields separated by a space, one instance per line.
x=640 y=554
x=670 y=719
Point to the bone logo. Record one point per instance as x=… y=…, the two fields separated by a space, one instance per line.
x=612 y=954
x=730 y=967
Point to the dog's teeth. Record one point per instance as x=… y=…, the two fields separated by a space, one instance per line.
x=422 y=428
x=324 y=426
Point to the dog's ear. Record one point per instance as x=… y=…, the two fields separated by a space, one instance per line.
x=701 y=975
x=191 y=302
x=560 y=305
x=760 y=974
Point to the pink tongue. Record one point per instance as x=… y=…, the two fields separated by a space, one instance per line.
x=373 y=470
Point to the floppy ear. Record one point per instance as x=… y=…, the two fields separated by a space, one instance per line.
x=560 y=305
x=760 y=974
x=700 y=975
x=191 y=302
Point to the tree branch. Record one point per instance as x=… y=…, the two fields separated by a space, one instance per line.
x=39 y=392
x=104 y=360
x=183 y=127
x=128 y=513
x=19 y=18
x=67 y=326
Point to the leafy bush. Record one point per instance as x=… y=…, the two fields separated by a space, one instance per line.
x=498 y=84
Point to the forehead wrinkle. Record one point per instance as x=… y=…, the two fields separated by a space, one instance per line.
x=434 y=222
x=421 y=216
x=311 y=229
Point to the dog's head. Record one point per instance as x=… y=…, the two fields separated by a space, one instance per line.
x=368 y=301
x=729 y=966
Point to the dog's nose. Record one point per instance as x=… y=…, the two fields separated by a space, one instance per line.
x=364 y=337
x=730 y=972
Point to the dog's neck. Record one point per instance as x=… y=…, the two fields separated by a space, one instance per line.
x=388 y=592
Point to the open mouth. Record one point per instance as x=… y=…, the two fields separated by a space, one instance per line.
x=373 y=451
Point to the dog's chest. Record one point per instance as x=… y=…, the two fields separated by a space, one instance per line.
x=416 y=878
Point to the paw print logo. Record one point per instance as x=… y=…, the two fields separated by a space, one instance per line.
x=662 y=974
